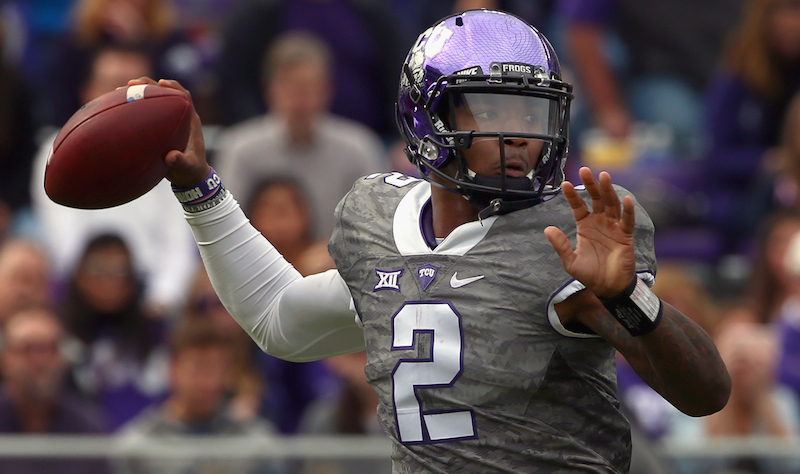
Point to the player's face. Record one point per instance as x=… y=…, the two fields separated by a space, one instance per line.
x=511 y=115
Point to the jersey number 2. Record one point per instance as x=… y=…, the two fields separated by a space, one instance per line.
x=441 y=369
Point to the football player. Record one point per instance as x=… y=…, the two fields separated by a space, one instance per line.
x=490 y=297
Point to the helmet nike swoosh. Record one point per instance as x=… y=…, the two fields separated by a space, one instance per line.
x=455 y=282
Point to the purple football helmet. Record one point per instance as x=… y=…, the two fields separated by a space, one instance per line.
x=478 y=59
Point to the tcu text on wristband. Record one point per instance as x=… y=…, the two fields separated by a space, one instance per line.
x=200 y=192
x=637 y=308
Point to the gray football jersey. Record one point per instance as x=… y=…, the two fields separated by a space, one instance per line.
x=474 y=371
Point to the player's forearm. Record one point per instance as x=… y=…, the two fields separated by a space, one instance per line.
x=678 y=359
x=286 y=315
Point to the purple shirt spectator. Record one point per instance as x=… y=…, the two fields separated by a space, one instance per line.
x=70 y=416
x=292 y=386
x=596 y=12
x=662 y=36
x=789 y=359
x=742 y=126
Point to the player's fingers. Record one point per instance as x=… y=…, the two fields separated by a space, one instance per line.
x=173 y=84
x=185 y=169
x=609 y=195
x=628 y=222
x=142 y=80
x=175 y=159
x=579 y=209
x=593 y=188
x=561 y=244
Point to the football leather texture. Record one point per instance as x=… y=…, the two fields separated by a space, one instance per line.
x=111 y=151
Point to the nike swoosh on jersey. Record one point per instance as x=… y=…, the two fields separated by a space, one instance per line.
x=456 y=282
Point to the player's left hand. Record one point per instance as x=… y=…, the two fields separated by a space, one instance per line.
x=604 y=259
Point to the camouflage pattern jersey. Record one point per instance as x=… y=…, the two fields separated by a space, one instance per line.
x=474 y=371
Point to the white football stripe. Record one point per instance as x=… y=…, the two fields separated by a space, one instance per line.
x=136 y=92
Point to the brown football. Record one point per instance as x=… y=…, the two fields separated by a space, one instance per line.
x=111 y=151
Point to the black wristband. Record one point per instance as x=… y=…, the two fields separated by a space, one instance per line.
x=637 y=308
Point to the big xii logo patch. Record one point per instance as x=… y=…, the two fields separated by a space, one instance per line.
x=388 y=280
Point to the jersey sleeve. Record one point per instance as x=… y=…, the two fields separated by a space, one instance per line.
x=288 y=316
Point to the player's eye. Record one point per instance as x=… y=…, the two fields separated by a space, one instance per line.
x=486 y=115
x=535 y=118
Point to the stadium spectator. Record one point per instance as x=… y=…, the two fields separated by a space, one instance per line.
x=146 y=24
x=17 y=140
x=162 y=247
x=787 y=322
x=263 y=385
x=248 y=384
x=745 y=106
x=365 y=45
x=771 y=284
x=200 y=378
x=782 y=165
x=299 y=138
x=773 y=296
x=34 y=399
x=659 y=69
x=123 y=362
x=778 y=185
x=6 y=220
x=25 y=278
x=278 y=209
x=757 y=406
x=352 y=409
x=37 y=26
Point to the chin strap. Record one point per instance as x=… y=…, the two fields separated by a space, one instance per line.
x=498 y=206
x=489 y=203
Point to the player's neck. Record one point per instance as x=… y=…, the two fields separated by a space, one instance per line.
x=450 y=210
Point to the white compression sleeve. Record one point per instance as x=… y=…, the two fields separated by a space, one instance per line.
x=288 y=316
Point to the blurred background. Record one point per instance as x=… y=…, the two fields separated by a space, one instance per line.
x=111 y=333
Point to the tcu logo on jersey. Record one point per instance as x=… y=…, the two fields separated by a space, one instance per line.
x=388 y=280
x=426 y=273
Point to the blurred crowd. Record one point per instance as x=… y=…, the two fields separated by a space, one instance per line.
x=108 y=321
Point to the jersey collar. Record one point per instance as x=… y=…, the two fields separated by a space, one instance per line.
x=413 y=227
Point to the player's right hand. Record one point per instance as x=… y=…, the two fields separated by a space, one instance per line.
x=187 y=167
x=603 y=259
